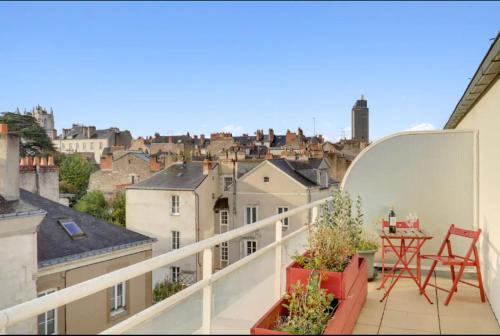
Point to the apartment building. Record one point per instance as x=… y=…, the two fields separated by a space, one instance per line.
x=263 y=189
x=175 y=206
x=88 y=139
x=47 y=246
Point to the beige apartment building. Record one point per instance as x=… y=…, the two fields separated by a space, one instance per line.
x=175 y=206
x=88 y=139
x=47 y=246
x=263 y=189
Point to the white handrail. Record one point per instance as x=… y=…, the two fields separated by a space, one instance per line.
x=32 y=308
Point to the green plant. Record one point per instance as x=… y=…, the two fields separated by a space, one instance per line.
x=75 y=170
x=368 y=242
x=166 y=288
x=94 y=204
x=309 y=308
x=336 y=235
x=118 y=209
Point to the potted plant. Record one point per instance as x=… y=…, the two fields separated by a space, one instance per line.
x=367 y=247
x=331 y=249
x=366 y=244
x=310 y=309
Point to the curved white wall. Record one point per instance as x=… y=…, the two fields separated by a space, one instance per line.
x=430 y=173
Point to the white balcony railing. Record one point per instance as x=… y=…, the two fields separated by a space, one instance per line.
x=203 y=288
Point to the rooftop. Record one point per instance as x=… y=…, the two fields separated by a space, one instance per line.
x=56 y=246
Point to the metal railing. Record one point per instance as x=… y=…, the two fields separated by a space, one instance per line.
x=33 y=308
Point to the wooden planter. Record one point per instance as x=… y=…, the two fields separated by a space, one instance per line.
x=337 y=283
x=343 y=319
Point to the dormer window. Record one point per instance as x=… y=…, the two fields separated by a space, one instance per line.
x=71 y=228
x=266 y=179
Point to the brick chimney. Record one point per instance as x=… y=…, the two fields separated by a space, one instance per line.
x=9 y=164
x=155 y=164
x=106 y=161
x=259 y=136
x=207 y=165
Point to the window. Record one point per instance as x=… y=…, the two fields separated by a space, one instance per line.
x=224 y=252
x=266 y=179
x=250 y=247
x=71 y=228
x=174 y=208
x=228 y=180
x=118 y=297
x=250 y=214
x=84 y=145
x=77 y=145
x=284 y=221
x=176 y=240
x=91 y=145
x=223 y=221
x=47 y=322
x=175 y=273
x=70 y=146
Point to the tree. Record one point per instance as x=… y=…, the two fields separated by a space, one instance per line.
x=118 y=209
x=34 y=138
x=75 y=170
x=94 y=204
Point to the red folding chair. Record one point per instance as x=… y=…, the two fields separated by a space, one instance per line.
x=387 y=248
x=453 y=260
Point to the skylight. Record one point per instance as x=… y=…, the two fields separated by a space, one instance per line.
x=71 y=228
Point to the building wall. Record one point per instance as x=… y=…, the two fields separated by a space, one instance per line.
x=95 y=146
x=484 y=117
x=91 y=315
x=428 y=173
x=281 y=190
x=108 y=180
x=148 y=212
x=18 y=266
x=47 y=185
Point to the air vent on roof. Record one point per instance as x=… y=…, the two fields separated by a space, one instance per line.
x=71 y=228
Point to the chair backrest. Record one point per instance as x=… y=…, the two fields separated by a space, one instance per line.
x=400 y=224
x=453 y=230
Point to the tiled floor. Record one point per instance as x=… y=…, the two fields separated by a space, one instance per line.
x=406 y=312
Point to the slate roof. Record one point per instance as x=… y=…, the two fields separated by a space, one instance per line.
x=288 y=169
x=137 y=154
x=56 y=246
x=245 y=166
x=178 y=176
x=175 y=139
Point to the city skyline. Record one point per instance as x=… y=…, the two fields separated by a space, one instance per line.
x=174 y=68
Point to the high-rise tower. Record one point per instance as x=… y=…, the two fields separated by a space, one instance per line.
x=360 y=121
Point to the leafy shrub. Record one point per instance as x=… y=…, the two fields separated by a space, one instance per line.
x=166 y=288
x=309 y=308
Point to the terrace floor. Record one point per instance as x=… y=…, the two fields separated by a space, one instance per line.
x=406 y=312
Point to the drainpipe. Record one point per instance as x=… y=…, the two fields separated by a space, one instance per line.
x=197 y=225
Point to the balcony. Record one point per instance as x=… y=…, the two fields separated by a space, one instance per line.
x=232 y=299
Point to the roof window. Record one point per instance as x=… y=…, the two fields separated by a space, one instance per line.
x=71 y=228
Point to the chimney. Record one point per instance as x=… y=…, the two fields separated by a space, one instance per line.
x=271 y=135
x=9 y=164
x=106 y=161
x=155 y=164
x=206 y=167
x=259 y=135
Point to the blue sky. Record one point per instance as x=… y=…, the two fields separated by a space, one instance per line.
x=204 y=67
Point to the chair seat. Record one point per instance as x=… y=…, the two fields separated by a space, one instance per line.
x=447 y=260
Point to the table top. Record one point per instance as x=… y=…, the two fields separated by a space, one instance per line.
x=404 y=234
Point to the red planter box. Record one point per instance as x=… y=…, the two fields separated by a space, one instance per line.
x=337 y=283
x=343 y=319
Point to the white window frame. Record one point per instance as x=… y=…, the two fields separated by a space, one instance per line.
x=224 y=186
x=256 y=214
x=245 y=246
x=221 y=224
x=268 y=179
x=176 y=240
x=114 y=290
x=285 y=221
x=224 y=246
x=43 y=293
x=175 y=205
x=175 y=270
